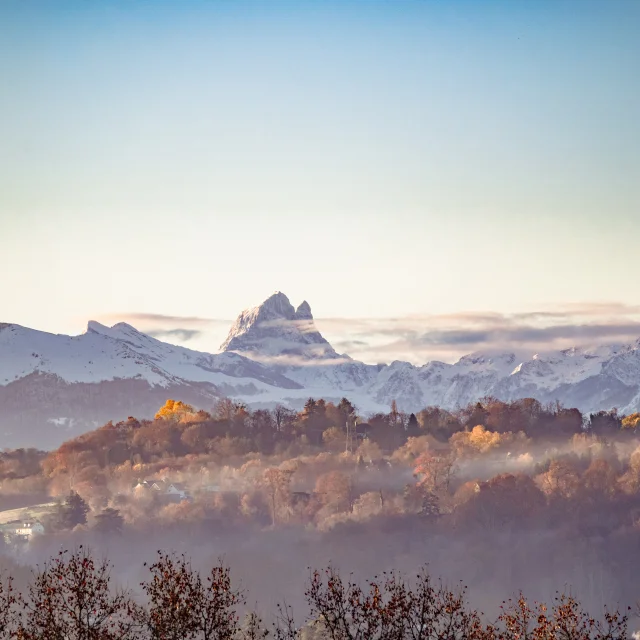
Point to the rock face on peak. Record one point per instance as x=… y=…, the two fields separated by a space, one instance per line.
x=303 y=312
x=276 y=331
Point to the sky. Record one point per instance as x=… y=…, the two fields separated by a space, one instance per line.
x=420 y=172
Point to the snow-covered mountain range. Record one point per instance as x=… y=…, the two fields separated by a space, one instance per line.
x=54 y=386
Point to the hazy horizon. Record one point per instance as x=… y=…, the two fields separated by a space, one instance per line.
x=433 y=178
x=421 y=338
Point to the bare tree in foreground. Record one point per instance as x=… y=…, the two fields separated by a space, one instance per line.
x=181 y=605
x=71 y=598
x=566 y=620
x=9 y=614
x=393 y=609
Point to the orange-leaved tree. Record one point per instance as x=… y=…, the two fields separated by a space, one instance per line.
x=173 y=410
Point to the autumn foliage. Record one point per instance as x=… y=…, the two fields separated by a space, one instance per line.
x=491 y=469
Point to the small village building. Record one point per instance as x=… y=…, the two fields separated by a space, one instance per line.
x=175 y=491
x=27 y=530
x=155 y=485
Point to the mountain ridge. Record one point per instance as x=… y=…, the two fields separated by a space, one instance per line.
x=275 y=354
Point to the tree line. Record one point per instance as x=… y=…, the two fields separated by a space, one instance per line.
x=230 y=428
x=323 y=466
x=73 y=597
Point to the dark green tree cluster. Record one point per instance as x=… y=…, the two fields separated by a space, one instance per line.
x=70 y=513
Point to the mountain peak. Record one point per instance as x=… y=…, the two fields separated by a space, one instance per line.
x=93 y=326
x=275 y=329
x=276 y=305
x=116 y=331
x=124 y=326
x=303 y=312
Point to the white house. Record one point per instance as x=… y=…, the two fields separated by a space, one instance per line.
x=156 y=485
x=176 y=489
x=28 y=530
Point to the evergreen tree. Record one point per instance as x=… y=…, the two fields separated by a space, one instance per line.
x=76 y=510
x=309 y=407
x=346 y=409
x=72 y=512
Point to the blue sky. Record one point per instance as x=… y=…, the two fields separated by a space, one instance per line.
x=379 y=159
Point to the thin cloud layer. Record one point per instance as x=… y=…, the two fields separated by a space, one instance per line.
x=421 y=338
x=179 y=334
x=159 y=319
x=174 y=329
x=291 y=360
x=447 y=337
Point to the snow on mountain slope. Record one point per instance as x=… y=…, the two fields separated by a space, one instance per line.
x=591 y=379
x=441 y=384
x=122 y=352
x=274 y=354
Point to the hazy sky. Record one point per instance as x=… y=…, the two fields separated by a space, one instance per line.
x=379 y=159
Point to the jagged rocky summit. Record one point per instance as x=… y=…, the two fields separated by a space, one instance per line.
x=277 y=331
